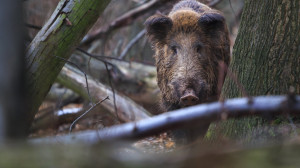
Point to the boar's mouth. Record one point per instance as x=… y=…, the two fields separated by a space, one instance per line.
x=188 y=92
x=189 y=98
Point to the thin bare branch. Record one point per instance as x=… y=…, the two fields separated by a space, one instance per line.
x=235 y=16
x=86 y=81
x=93 y=106
x=131 y=43
x=113 y=90
x=109 y=77
x=33 y=26
x=99 y=58
x=214 y=3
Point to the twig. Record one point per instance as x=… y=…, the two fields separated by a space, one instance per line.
x=235 y=17
x=131 y=43
x=234 y=14
x=214 y=3
x=33 y=26
x=186 y=117
x=99 y=57
x=103 y=58
x=93 y=106
x=86 y=81
x=113 y=90
x=109 y=76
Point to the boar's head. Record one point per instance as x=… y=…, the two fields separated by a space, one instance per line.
x=188 y=45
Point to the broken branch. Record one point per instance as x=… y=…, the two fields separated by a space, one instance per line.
x=187 y=117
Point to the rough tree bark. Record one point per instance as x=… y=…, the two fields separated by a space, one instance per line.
x=265 y=58
x=58 y=38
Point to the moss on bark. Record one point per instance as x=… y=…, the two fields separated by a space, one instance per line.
x=58 y=38
x=265 y=60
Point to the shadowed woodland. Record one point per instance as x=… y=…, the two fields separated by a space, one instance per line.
x=79 y=88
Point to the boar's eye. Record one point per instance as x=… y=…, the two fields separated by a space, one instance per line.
x=199 y=48
x=174 y=49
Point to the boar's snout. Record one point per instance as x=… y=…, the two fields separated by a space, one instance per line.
x=189 y=98
x=188 y=91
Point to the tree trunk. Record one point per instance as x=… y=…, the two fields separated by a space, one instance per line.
x=12 y=113
x=59 y=36
x=265 y=59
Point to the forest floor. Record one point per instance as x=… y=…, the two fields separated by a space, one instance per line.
x=155 y=144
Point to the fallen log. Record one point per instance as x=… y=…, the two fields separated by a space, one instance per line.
x=127 y=110
x=187 y=117
x=133 y=79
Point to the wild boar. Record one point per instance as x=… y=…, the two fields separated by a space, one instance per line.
x=189 y=44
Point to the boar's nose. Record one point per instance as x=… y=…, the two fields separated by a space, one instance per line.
x=189 y=98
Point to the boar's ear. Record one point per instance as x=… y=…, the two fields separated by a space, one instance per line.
x=157 y=27
x=212 y=22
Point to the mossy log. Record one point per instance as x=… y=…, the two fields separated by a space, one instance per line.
x=59 y=37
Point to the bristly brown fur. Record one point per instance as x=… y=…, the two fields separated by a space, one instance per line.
x=189 y=43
